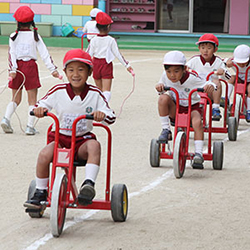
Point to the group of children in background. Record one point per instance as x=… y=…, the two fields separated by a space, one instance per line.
x=68 y=99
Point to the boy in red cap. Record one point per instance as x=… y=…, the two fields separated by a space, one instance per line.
x=23 y=46
x=103 y=48
x=207 y=62
x=71 y=100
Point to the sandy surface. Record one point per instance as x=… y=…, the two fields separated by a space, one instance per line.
x=204 y=210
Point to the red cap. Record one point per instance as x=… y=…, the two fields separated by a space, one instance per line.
x=77 y=55
x=210 y=38
x=103 y=18
x=24 y=14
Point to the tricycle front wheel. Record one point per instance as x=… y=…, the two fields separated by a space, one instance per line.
x=179 y=158
x=58 y=204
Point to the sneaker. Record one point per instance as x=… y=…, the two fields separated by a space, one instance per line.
x=198 y=161
x=5 y=124
x=222 y=102
x=248 y=116
x=35 y=201
x=216 y=114
x=87 y=193
x=30 y=130
x=165 y=136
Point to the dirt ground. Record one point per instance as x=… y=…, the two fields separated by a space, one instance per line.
x=205 y=209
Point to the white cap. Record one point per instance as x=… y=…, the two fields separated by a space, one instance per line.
x=174 y=57
x=94 y=12
x=242 y=53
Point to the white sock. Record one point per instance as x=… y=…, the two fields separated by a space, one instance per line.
x=230 y=90
x=165 y=123
x=31 y=118
x=107 y=95
x=11 y=107
x=198 y=144
x=91 y=171
x=248 y=103
x=42 y=183
x=215 y=106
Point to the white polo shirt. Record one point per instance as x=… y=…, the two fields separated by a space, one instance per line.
x=203 y=68
x=69 y=106
x=188 y=82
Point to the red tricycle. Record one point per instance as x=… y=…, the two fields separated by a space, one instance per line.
x=239 y=106
x=182 y=130
x=229 y=124
x=62 y=190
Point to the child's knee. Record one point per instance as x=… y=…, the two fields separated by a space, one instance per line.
x=217 y=83
x=197 y=124
x=46 y=154
x=163 y=100
x=94 y=147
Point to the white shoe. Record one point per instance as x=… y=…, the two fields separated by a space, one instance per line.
x=30 y=131
x=5 y=124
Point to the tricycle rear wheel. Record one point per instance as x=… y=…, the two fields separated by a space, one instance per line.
x=154 y=153
x=39 y=213
x=232 y=128
x=218 y=150
x=119 y=202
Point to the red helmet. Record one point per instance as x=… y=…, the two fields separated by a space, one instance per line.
x=103 y=18
x=24 y=14
x=209 y=38
x=77 y=55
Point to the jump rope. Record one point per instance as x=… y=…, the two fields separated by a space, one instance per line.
x=130 y=93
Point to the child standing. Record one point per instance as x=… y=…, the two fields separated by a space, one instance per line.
x=103 y=48
x=90 y=26
x=23 y=46
x=242 y=60
x=207 y=62
x=177 y=76
x=71 y=100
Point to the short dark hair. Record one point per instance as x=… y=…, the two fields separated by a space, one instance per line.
x=208 y=42
x=101 y=27
x=168 y=66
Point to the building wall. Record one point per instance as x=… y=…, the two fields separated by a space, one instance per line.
x=239 y=17
x=59 y=12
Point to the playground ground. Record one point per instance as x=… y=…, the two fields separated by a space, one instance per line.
x=204 y=210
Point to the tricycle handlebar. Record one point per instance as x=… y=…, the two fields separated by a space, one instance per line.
x=46 y=113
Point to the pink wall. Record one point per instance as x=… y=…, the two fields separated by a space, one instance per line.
x=239 y=17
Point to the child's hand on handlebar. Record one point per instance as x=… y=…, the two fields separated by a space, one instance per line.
x=98 y=116
x=220 y=72
x=39 y=112
x=160 y=87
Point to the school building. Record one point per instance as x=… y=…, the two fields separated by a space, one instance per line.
x=130 y=17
